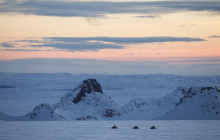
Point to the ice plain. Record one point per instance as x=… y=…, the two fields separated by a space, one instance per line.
x=101 y=130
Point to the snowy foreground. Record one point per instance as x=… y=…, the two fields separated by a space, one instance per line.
x=87 y=101
x=101 y=130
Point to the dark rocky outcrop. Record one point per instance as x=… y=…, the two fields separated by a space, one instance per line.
x=88 y=117
x=111 y=113
x=189 y=93
x=88 y=86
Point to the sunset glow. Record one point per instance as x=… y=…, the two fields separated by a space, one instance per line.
x=182 y=33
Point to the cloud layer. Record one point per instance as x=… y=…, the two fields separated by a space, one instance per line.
x=125 y=40
x=214 y=36
x=6 y=45
x=100 y=9
x=109 y=67
x=94 y=43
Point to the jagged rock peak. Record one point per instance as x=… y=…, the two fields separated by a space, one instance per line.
x=90 y=85
x=87 y=86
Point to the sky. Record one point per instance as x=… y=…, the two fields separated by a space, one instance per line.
x=110 y=37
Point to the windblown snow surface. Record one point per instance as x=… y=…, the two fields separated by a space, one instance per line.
x=101 y=130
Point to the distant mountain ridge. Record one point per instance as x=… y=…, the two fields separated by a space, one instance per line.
x=88 y=102
x=196 y=103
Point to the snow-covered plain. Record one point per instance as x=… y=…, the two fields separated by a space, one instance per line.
x=101 y=130
x=20 y=93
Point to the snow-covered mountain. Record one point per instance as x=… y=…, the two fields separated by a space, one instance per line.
x=88 y=102
x=195 y=103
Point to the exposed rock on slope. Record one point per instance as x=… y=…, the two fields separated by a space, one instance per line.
x=44 y=112
x=196 y=103
x=87 y=87
x=183 y=103
x=86 y=101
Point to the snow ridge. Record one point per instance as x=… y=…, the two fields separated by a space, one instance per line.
x=195 y=103
x=86 y=101
x=44 y=112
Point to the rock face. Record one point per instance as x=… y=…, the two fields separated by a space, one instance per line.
x=86 y=87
